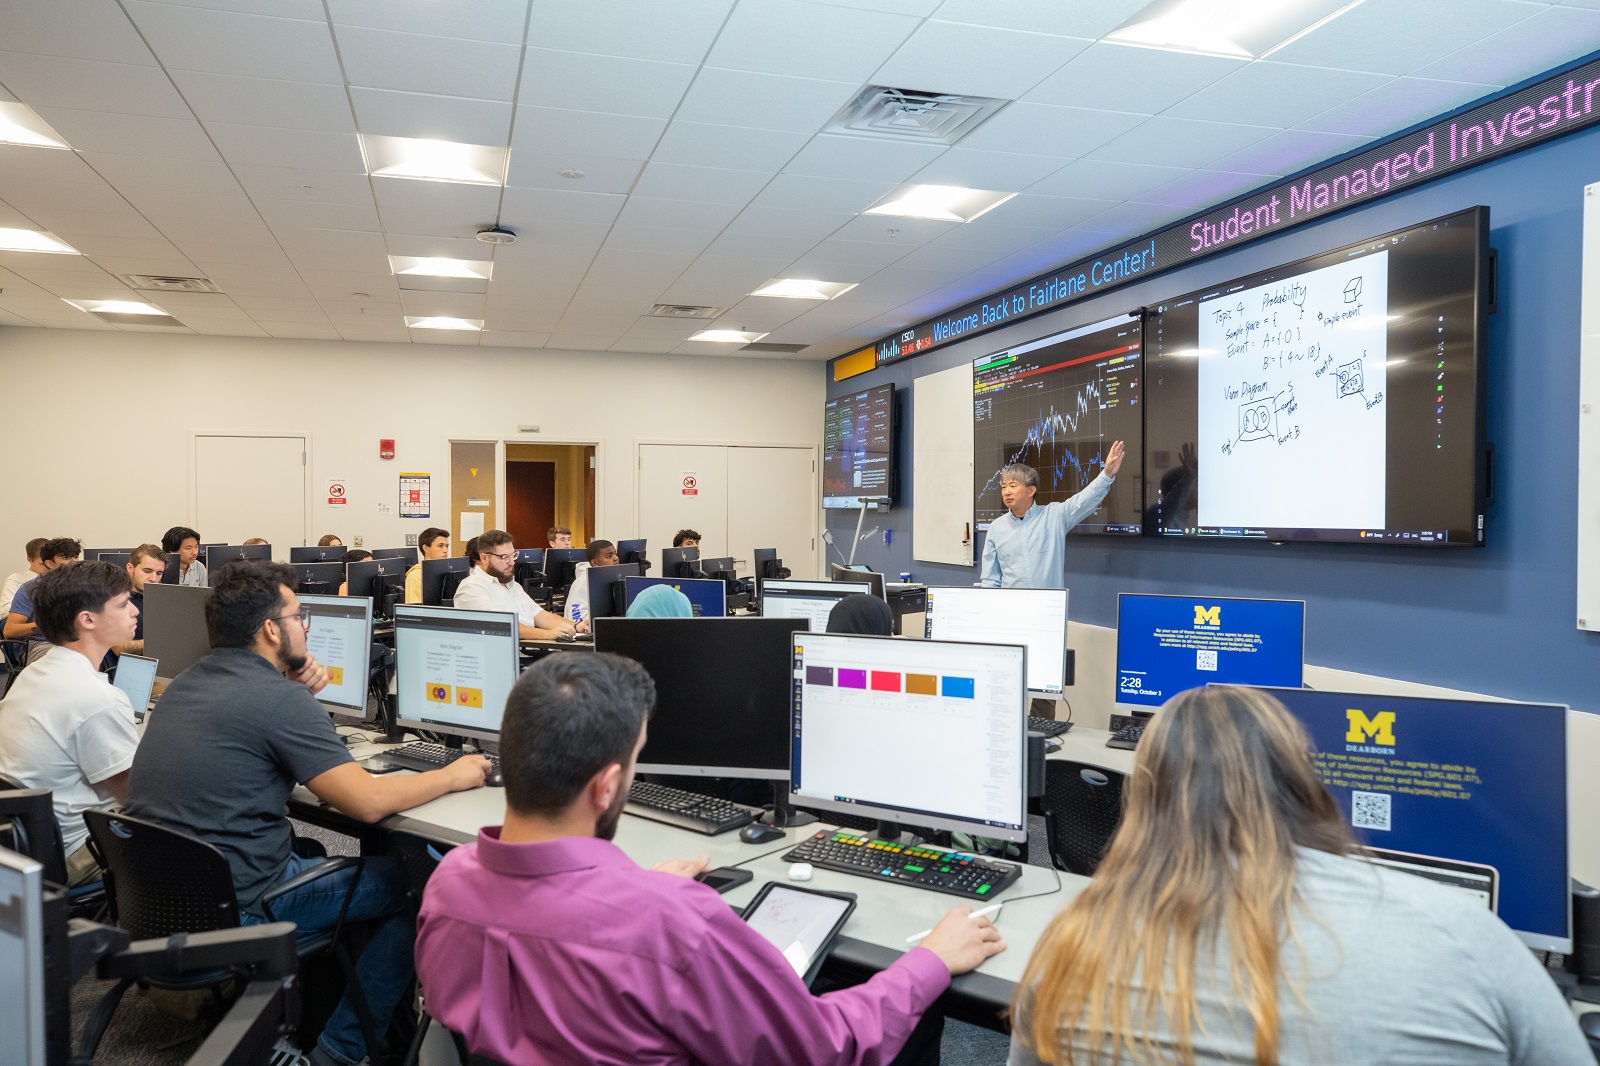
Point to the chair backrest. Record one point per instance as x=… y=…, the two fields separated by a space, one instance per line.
x=1083 y=807
x=31 y=811
x=160 y=881
x=418 y=857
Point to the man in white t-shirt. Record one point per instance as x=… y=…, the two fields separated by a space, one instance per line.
x=491 y=587
x=601 y=553
x=63 y=725
x=15 y=581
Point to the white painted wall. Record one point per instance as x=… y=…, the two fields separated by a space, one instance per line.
x=99 y=425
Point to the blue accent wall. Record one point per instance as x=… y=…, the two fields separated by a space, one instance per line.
x=1500 y=619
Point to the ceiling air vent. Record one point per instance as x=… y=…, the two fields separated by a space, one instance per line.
x=684 y=311
x=913 y=115
x=160 y=283
x=775 y=349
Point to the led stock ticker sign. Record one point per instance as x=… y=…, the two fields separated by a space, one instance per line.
x=1553 y=107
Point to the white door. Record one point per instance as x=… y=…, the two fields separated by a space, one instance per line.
x=251 y=487
x=773 y=504
x=683 y=486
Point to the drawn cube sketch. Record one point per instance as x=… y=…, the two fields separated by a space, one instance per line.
x=1255 y=419
x=1352 y=290
x=1351 y=379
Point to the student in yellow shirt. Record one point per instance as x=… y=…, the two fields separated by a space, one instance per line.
x=434 y=544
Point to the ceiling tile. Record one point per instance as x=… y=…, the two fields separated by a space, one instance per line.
x=648 y=211
x=23 y=163
x=670 y=181
x=975 y=169
x=948 y=57
x=1289 y=151
x=294 y=105
x=228 y=42
x=1121 y=78
x=426 y=115
x=77 y=29
x=861 y=158
x=1394 y=106
x=764 y=101
x=268 y=146
x=772 y=37
x=1398 y=36
x=37 y=199
x=318 y=215
x=436 y=207
x=910 y=232
x=104 y=131
x=702 y=144
x=1032 y=209
x=410 y=62
x=1275 y=94
x=505 y=338
x=582 y=133
x=445 y=247
x=1099 y=179
x=1088 y=20
x=314 y=186
x=1199 y=189
x=790 y=222
x=659 y=239
x=1539 y=43
x=1047 y=129
x=638 y=29
x=54 y=81
x=133 y=171
x=532 y=169
x=611 y=84
x=156 y=203
x=475 y=20
x=1180 y=141
x=796 y=192
x=300 y=9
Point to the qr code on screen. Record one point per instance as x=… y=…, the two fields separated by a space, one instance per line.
x=1205 y=659
x=1370 y=810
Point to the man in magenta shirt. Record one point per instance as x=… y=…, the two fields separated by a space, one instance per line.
x=544 y=943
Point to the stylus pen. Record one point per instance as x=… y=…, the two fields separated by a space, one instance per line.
x=983 y=912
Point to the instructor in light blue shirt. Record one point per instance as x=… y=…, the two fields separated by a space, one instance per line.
x=1026 y=547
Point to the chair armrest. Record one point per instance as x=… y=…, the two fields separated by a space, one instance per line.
x=315 y=873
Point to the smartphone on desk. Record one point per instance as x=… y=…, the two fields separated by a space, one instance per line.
x=725 y=878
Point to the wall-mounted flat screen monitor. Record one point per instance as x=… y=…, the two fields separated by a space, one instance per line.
x=1057 y=404
x=1337 y=398
x=858 y=448
x=1168 y=644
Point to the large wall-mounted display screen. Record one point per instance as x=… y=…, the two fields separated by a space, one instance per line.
x=858 y=448
x=1337 y=398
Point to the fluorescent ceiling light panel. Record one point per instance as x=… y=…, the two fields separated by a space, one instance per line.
x=116 y=307
x=727 y=336
x=801 y=289
x=19 y=125
x=441 y=268
x=427 y=160
x=437 y=322
x=1238 y=29
x=942 y=203
x=27 y=240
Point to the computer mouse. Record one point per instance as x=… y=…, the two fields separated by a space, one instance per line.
x=756 y=833
x=801 y=871
x=495 y=779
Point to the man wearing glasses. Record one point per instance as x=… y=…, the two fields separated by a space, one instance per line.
x=490 y=588
x=233 y=736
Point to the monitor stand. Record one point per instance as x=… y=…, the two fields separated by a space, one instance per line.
x=784 y=814
x=890 y=831
x=392 y=733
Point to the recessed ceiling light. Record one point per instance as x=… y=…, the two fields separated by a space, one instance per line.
x=19 y=125
x=1239 y=29
x=436 y=322
x=438 y=267
x=116 y=307
x=802 y=289
x=429 y=160
x=727 y=336
x=27 y=240
x=943 y=203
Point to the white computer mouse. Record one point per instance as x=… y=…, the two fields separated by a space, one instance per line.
x=801 y=871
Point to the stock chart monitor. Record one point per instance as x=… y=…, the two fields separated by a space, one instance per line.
x=1056 y=404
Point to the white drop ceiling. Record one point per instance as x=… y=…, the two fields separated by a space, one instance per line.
x=218 y=138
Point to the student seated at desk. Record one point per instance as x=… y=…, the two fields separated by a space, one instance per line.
x=236 y=732
x=490 y=587
x=558 y=537
x=63 y=725
x=20 y=621
x=686 y=538
x=661 y=601
x=327 y=540
x=434 y=543
x=185 y=543
x=544 y=943
x=17 y=580
x=863 y=615
x=1232 y=875
x=145 y=566
x=600 y=553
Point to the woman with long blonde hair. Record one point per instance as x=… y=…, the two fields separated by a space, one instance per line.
x=1233 y=878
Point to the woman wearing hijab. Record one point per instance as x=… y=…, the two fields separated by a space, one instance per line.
x=863 y=615
x=661 y=601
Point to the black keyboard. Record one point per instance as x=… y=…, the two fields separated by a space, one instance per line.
x=1126 y=731
x=688 y=810
x=918 y=865
x=1050 y=727
x=423 y=756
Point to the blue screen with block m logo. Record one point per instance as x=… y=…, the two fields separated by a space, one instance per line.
x=1166 y=644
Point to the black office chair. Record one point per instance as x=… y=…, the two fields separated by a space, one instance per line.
x=15 y=652
x=37 y=834
x=1082 y=809
x=418 y=858
x=160 y=882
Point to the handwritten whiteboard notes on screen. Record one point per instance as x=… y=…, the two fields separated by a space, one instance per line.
x=1589 y=420
x=1291 y=389
x=941 y=479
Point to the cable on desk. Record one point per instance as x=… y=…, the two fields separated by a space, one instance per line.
x=1035 y=895
x=755 y=858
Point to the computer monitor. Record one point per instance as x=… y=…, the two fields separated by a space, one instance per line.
x=317 y=553
x=532 y=558
x=633 y=551
x=90 y=554
x=767 y=564
x=22 y=965
x=811 y=600
x=115 y=558
x=381 y=580
x=136 y=677
x=455 y=669
x=708 y=598
x=722 y=692
x=608 y=592
x=219 y=555
x=680 y=562
x=408 y=554
x=1481 y=784
x=840 y=572
x=719 y=567
x=561 y=565
x=441 y=577
x=175 y=627
x=340 y=638
x=1166 y=644
x=1034 y=618
x=319 y=577
x=953 y=715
